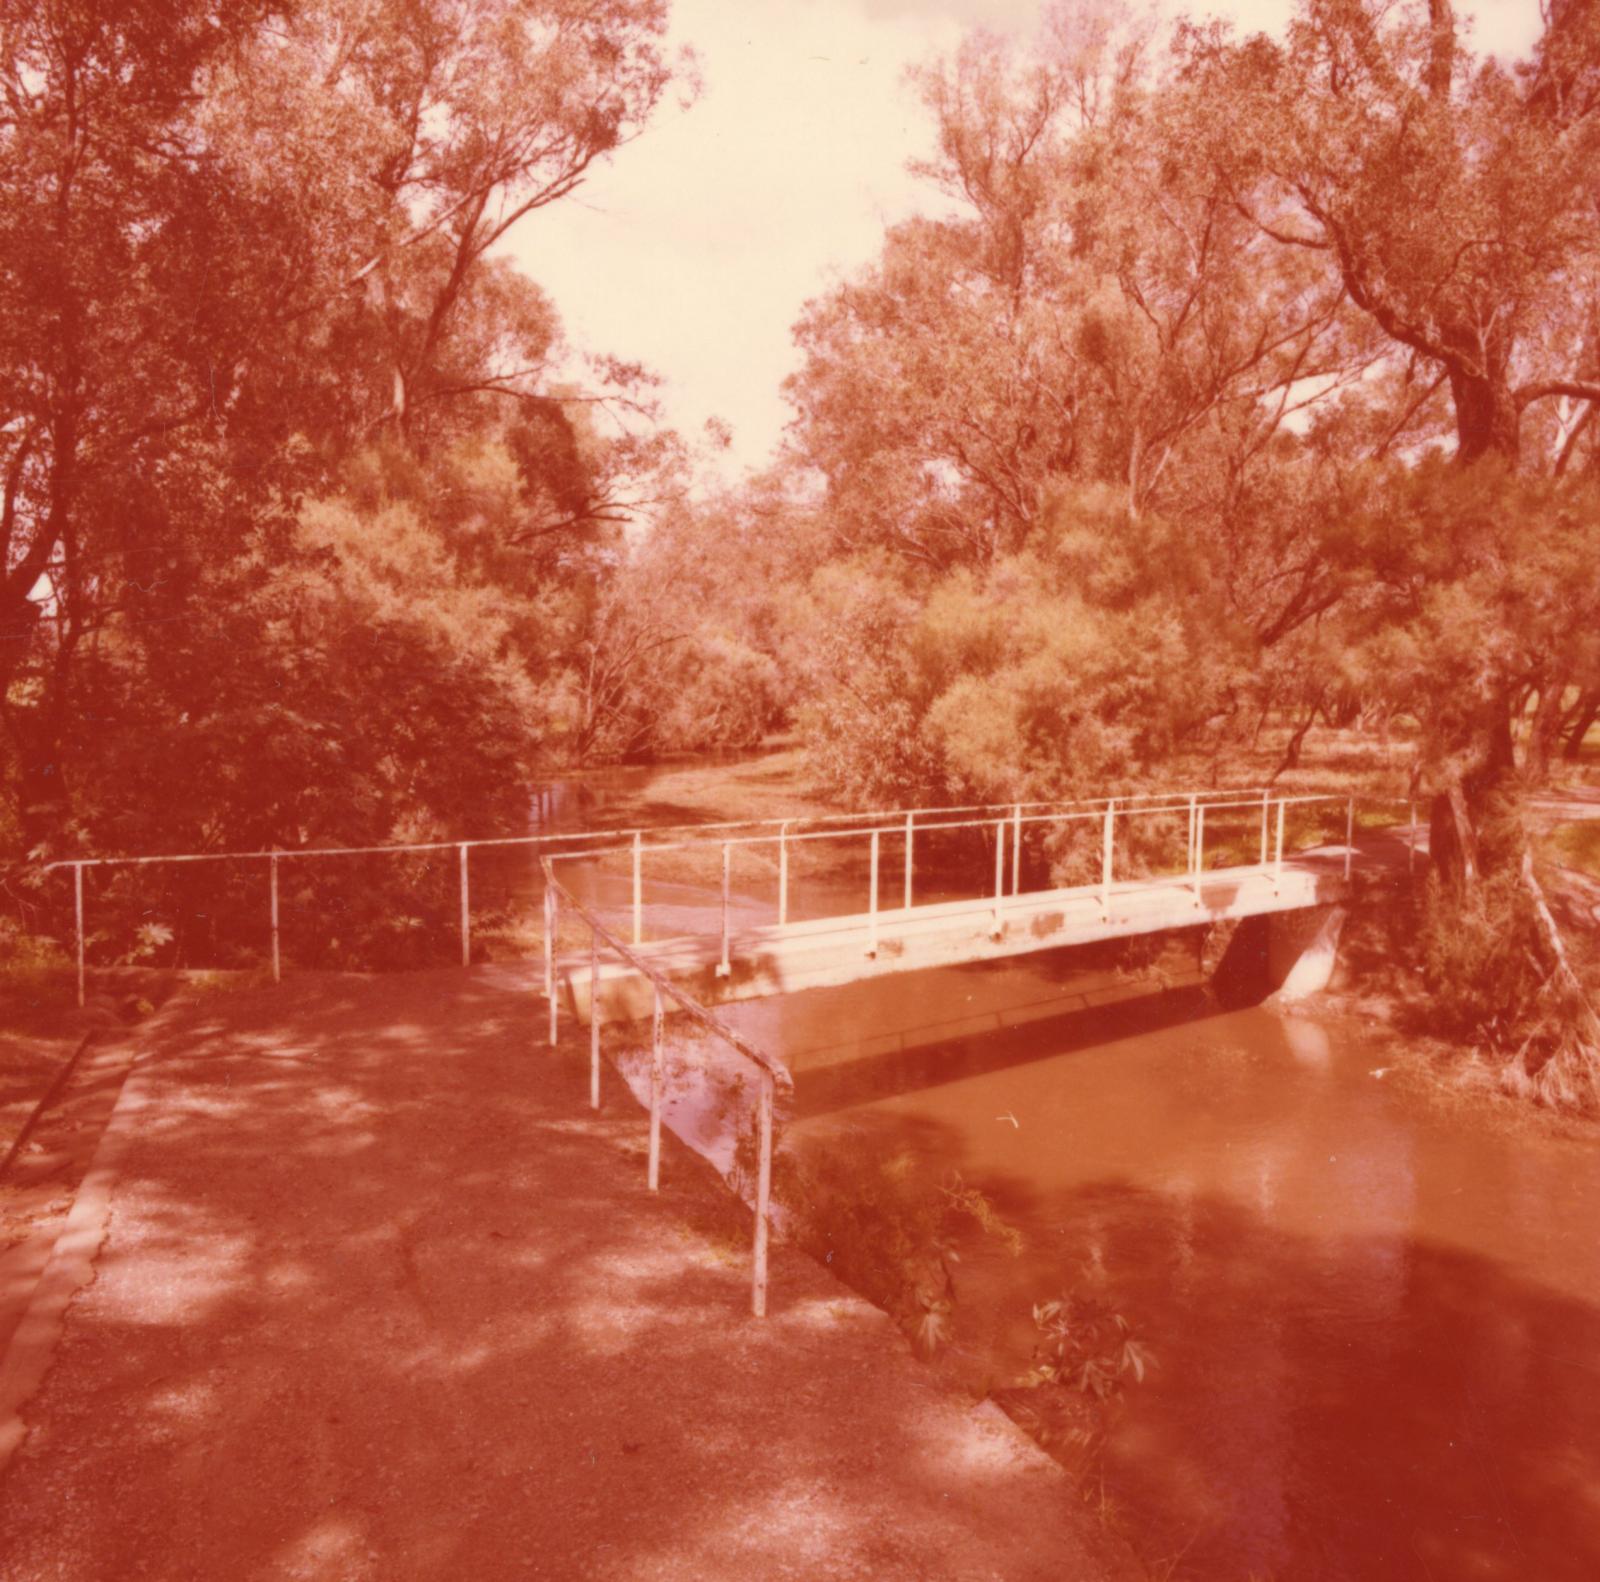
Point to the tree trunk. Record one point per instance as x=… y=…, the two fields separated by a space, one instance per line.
x=1453 y=839
x=1546 y=732
x=1297 y=737
x=1486 y=773
x=1487 y=420
x=1587 y=711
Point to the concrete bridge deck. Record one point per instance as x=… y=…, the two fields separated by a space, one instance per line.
x=782 y=958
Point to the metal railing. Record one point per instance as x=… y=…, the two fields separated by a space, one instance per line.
x=772 y=1074
x=639 y=841
x=1006 y=828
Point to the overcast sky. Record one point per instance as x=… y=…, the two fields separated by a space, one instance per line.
x=694 y=250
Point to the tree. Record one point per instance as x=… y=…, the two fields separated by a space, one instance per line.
x=1451 y=199
x=1094 y=314
x=238 y=244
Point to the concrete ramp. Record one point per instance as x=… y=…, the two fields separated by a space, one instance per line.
x=826 y=952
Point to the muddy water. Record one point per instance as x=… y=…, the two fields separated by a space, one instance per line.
x=1376 y=1319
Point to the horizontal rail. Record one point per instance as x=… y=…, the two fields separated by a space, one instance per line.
x=567 y=838
x=1007 y=823
x=707 y=837
x=664 y=985
x=904 y=822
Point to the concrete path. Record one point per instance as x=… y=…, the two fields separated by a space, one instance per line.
x=377 y=1297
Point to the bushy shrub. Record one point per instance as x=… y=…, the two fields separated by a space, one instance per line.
x=1480 y=962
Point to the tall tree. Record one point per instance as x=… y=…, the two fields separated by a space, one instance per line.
x=237 y=243
x=1452 y=199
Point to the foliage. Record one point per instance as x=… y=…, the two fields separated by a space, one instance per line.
x=35 y=975
x=1070 y=663
x=681 y=652
x=303 y=503
x=1218 y=326
x=1085 y=1345
x=1479 y=963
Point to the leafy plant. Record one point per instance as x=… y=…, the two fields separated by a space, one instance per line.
x=1087 y=1346
x=149 y=940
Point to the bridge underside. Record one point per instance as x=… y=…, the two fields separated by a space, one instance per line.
x=783 y=958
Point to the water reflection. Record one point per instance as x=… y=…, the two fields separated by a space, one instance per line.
x=1378 y=1325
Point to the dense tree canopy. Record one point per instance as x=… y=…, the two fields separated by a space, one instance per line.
x=286 y=464
x=1222 y=299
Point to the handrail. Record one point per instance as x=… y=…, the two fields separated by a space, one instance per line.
x=590 y=843
x=773 y=1073
x=686 y=1002
x=999 y=811
x=1010 y=818
x=286 y=852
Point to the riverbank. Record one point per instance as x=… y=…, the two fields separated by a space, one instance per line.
x=1381 y=983
x=378 y=1297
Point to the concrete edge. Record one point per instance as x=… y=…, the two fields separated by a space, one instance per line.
x=70 y=1267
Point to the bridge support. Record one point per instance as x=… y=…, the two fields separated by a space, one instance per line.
x=1303 y=950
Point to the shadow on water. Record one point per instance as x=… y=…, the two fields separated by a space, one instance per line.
x=1345 y=1406
x=1377 y=1325
x=929 y=1060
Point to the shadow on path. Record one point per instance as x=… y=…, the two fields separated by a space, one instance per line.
x=380 y=1299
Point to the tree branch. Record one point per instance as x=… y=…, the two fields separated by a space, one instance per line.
x=1578 y=389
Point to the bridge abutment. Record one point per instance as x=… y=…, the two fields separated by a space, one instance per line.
x=1302 y=950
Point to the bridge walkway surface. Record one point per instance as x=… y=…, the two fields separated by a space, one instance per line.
x=749 y=962
x=357 y=1287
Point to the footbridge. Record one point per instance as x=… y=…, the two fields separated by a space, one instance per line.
x=1055 y=875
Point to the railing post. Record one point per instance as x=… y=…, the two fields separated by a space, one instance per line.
x=277 y=966
x=1411 y=849
x=77 y=900
x=1264 y=796
x=783 y=873
x=638 y=887
x=910 y=827
x=594 y=1018
x=1277 y=863
x=555 y=924
x=466 y=911
x=758 y=1275
x=549 y=941
x=999 y=874
x=872 y=901
x=1349 y=834
x=653 y=1170
x=1188 y=860
x=725 y=966
x=1016 y=850
x=1107 y=840
x=1199 y=849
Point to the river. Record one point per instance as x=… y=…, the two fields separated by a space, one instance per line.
x=1374 y=1311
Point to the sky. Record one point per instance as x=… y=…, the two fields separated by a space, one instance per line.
x=695 y=248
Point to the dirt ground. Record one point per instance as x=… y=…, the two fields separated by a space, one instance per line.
x=370 y=1293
